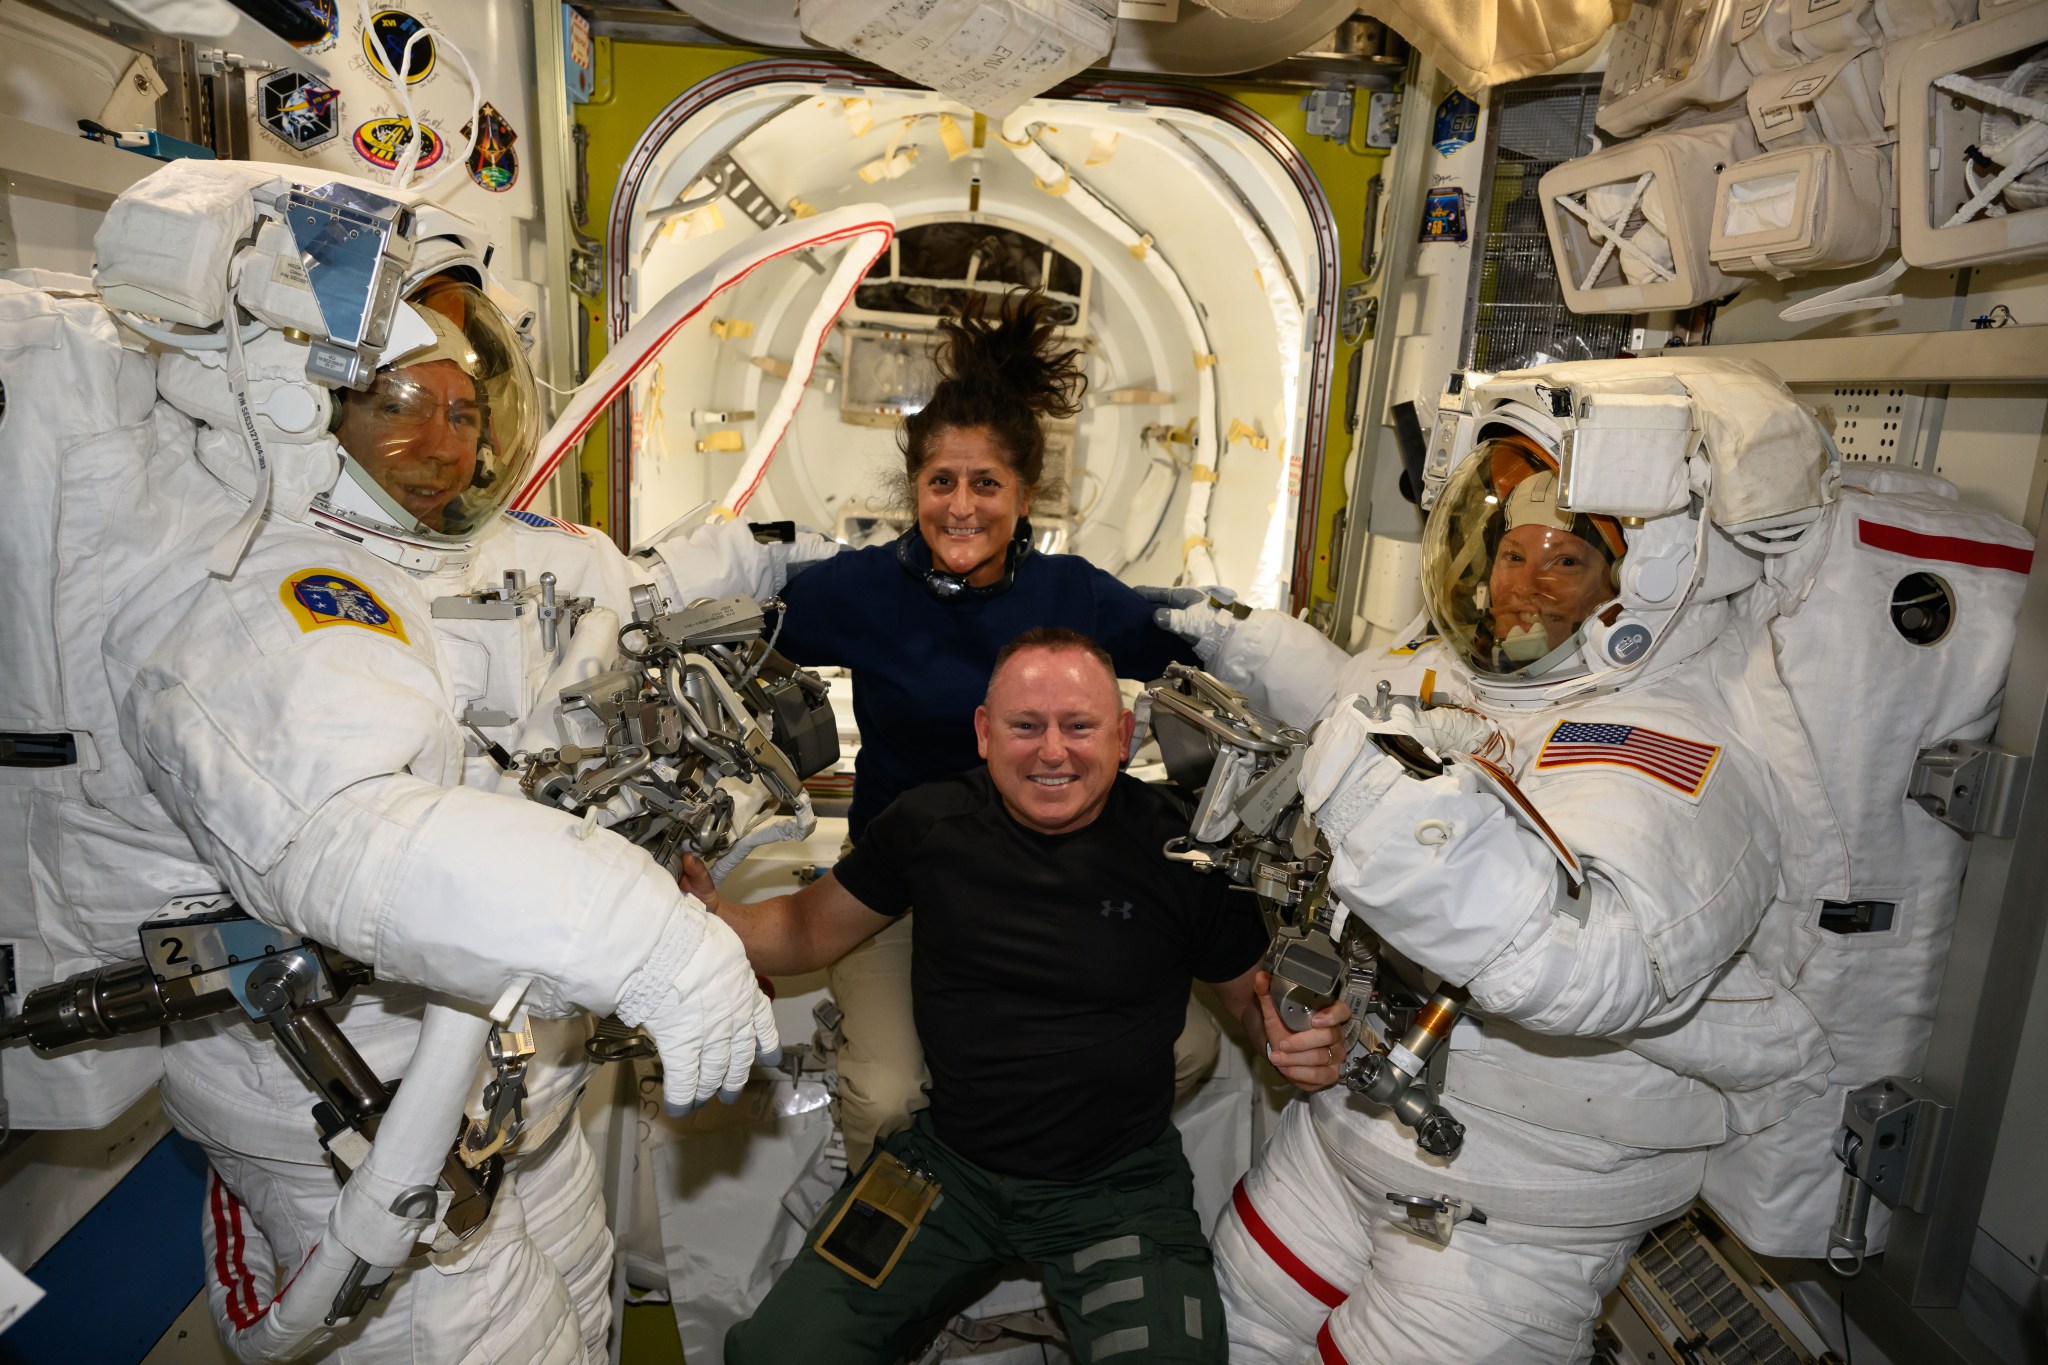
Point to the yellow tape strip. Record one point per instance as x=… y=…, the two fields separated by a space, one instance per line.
x=1192 y=543
x=719 y=441
x=950 y=134
x=1428 y=683
x=722 y=513
x=731 y=329
x=1203 y=362
x=1136 y=396
x=1066 y=183
x=1102 y=148
x=1140 y=247
x=801 y=208
x=1203 y=473
x=981 y=130
x=859 y=113
x=1240 y=430
x=778 y=368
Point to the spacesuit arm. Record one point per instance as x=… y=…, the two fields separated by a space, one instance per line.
x=725 y=558
x=1286 y=668
x=1447 y=877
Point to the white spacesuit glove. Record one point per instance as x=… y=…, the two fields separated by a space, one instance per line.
x=1192 y=614
x=697 y=998
x=1442 y=730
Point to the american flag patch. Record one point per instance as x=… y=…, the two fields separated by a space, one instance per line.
x=1684 y=765
x=545 y=523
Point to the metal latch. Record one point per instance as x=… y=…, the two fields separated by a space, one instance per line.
x=1890 y=1145
x=1970 y=786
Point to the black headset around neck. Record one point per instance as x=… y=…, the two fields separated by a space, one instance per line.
x=952 y=587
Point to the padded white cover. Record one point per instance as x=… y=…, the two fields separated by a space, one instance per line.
x=1669 y=56
x=1816 y=207
x=1664 y=263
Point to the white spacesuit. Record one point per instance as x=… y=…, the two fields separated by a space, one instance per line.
x=291 y=725
x=1592 y=616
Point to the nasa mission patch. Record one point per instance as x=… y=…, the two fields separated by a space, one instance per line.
x=318 y=598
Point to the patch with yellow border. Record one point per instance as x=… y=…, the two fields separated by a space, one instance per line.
x=318 y=598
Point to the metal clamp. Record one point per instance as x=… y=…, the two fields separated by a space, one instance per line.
x=1890 y=1145
x=1433 y=1216
x=1971 y=787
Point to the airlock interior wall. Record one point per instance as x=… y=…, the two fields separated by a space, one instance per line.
x=818 y=158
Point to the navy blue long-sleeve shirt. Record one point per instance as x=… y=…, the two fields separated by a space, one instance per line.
x=921 y=666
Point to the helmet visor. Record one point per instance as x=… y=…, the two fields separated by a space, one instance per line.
x=447 y=429
x=1508 y=575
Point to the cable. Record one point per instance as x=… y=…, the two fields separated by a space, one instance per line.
x=1842 y=1304
x=216 y=340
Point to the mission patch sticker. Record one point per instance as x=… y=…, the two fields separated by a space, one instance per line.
x=385 y=40
x=298 y=110
x=381 y=142
x=318 y=598
x=492 y=163
x=328 y=12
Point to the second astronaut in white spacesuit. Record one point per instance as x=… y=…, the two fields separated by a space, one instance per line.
x=1616 y=1032
x=299 y=715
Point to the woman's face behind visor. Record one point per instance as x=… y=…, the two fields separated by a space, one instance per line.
x=1510 y=575
x=1545 y=582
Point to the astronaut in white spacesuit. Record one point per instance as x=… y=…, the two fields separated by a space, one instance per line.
x=291 y=726
x=1617 y=1032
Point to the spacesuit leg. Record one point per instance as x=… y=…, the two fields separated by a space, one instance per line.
x=1289 y=1248
x=564 y=1201
x=1504 y=1293
x=496 y=1300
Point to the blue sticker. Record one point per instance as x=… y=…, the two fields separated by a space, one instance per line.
x=1443 y=215
x=1627 y=644
x=1457 y=122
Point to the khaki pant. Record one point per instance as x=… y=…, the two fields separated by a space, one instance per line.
x=882 y=1074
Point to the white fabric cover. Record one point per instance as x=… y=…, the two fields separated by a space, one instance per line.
x=1840 y=775
x=164 y=247
x=1669 y=267
x=992 y=55
x=1837 y=99
x=1762 y=33
x=1816 y=207
x=81 y=430
x=1668 y=57
x=1821 y=27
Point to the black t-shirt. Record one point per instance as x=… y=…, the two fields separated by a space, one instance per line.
x=1050 y=972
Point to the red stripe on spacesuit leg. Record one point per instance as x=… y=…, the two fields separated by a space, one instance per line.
x=228 y=1269
x=1269 y=1241
x=1326 y=1347
x=1979 y=554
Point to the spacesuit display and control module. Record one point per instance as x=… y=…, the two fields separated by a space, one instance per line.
x=284 y=645
x=1584 y=884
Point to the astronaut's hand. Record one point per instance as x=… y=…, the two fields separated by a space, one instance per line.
x=1193 y=614
x=1312 y=1058
x=697 y=998
x=1442 y=730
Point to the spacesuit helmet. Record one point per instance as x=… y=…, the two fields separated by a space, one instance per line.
x=443 y=435
x=1509 y=575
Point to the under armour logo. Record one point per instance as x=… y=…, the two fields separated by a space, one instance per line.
x=1109 y=909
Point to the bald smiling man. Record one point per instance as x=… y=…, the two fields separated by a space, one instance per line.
x=1055 y=945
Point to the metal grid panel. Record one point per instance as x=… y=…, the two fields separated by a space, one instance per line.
x=1520 y=318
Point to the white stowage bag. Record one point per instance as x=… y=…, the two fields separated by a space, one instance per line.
x=991 y=55
x=1844 y=701
x=82 y=447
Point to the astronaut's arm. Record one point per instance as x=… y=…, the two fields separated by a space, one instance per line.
x=1286 y=668
x=1442 y=872
x=726 y=557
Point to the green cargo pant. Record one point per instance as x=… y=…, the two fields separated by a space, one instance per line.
x=1122 y=1255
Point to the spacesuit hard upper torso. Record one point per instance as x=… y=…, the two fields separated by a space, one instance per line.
x=1621 y=1059
x=220 y=1074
